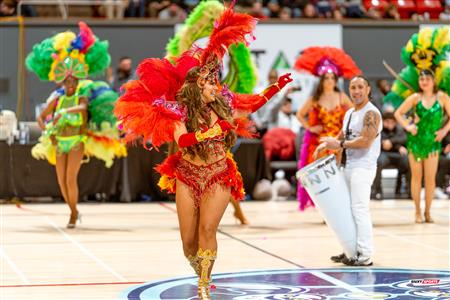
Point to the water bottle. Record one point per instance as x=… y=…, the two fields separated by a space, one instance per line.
x=24 y=135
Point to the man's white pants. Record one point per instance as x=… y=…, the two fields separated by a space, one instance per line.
x=359 y=182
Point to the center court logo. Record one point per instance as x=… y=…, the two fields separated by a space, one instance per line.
x=305 y=284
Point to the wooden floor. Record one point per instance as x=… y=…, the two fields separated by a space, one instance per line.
x=121 y=245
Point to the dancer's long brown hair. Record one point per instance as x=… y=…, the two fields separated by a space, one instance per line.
x=190 y=96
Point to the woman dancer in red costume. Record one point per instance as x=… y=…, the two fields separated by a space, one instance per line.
x=183 y=102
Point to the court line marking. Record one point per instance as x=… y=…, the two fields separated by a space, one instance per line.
x=241 y=241
x=13 y=266
x=398 y=237
x=70 y=284
x=6 y=257
x=395 y=236
x=319 y=274
x=259 y=249
x=86 y=251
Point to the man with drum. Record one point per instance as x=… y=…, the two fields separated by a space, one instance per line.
x=360 y=141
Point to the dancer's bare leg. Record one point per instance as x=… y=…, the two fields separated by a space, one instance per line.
x=416 y=185
x=61 y=166
x=238 y=213
x=74 y=158
x=430 y=165
x=188 y=219
x=212 y=209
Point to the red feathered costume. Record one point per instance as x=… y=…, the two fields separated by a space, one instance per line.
x=149 y=109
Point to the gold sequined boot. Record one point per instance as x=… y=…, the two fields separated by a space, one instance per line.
x=206 y=258
x=193 y=261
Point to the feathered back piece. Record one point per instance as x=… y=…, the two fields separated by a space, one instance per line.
x=428 y=49
x=199 y=24
x=148 y=108
x=321 y=60
x=231 y=28
x=66 y=54
x=241 y=77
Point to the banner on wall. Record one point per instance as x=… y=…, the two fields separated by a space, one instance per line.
x=278 y=45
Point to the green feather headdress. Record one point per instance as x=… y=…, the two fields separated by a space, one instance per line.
x=428 y=49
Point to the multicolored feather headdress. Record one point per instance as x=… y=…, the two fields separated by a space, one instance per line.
x=66 y=54
x=149 y=108
x=427 y=49
x=321 y=60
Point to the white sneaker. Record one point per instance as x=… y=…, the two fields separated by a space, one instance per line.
x=439 y=194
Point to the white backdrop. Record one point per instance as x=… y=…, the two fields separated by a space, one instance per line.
x=274 y=41
x=278 y=45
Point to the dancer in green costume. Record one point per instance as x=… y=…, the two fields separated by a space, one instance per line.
x=425 y=133
x=68 y=134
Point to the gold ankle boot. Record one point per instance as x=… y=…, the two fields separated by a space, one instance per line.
x=193 y=261
x=206 y=258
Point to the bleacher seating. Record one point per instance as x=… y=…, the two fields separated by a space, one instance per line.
x=432 y=7
x=405 y=7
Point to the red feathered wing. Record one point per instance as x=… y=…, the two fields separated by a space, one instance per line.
x=148 y=107
x=230 y=28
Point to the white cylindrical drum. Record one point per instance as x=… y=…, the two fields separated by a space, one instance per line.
x=326 y=186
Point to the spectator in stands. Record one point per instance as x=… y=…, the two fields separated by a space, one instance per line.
x=353 y=8
x=156 y=6
x=391 y=12
x=374 y=13
x=273 y=9
x=257 y=10
x=393 y=153
x=267 y=113
x=285 y=13
x=135 y=8
x=445 y=15
x=174 y=11
x=124 y=73
x=309 y=11
x=324 y=9
x=285 y=117
x=384 y=88
x=329 y=9
x=8 y=8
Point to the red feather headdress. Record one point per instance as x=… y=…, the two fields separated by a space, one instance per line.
x=321 y=60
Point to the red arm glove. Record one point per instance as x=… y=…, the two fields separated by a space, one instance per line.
x=268 y=93
x=192 y=138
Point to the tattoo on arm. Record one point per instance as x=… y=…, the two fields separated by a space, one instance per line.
x=371 y=124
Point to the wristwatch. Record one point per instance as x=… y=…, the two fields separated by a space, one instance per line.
x=342 y=144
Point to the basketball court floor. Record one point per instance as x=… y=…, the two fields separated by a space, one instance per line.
x=133 y=251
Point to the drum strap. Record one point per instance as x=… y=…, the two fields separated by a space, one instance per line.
x=346 y=137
